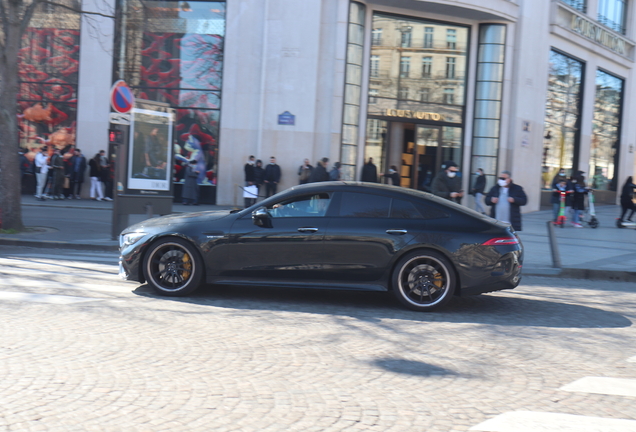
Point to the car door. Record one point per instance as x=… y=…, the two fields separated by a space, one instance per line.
x=286 y=245
x=362 y=239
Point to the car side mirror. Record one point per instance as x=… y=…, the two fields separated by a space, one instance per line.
x=259 y=216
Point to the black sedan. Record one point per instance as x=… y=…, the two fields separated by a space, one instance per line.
x=333 y=235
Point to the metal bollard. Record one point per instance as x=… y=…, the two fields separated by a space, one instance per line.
x=554 y=247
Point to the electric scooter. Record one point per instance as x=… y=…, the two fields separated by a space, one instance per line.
x=591 y=211
x=561 y=218
x=624 y=224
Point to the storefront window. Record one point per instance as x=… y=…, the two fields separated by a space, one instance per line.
x=174 y=54
x=563 y=116
x=48 y=79
x=605 y=152
x=612 y=13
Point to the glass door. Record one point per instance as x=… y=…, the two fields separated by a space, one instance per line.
x=428 y=156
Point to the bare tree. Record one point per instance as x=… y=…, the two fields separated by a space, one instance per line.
x=15 y=16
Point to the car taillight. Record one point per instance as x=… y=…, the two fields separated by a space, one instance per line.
x=501 y=241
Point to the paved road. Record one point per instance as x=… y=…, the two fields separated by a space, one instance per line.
x=82 y=350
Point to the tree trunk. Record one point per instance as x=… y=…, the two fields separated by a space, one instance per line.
x=10 y=177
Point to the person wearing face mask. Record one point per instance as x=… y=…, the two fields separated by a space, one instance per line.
x=560 y=176
x=478 y=190
x=505 y=200
x=393 y=175
x=447 y=184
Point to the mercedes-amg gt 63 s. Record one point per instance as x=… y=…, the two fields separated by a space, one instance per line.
x=330 y=235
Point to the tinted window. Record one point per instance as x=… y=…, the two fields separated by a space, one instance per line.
x=404 y=210
x=364 y=205
x=431 y=212
x=305 y=206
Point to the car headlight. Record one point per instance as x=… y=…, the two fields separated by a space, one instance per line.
x=130 y=238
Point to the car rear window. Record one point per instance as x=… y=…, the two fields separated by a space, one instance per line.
x=401 y=209
x=364 y=205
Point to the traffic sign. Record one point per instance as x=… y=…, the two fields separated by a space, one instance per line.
x=121 y=97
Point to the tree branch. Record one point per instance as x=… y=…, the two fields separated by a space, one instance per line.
x=28 y=14
x=75 y=9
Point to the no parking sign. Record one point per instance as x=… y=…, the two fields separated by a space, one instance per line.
x=121 y=97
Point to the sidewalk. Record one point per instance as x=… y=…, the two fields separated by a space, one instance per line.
x=606 y=252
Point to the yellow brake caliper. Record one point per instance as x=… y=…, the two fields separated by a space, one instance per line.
x=187 y=266
x=438 y=280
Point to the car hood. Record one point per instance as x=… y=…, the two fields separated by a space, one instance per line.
x=178 y=219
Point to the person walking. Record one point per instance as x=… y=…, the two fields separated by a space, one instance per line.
x=78 y=168
x=446 y=184
x=41 y=171
x=95 y=174
x=304 y=172
x=506 y=199
x=190 y=187
x=57 y=165
x=392 y=175
x=334 y=174
x=272 y=177
x=627 y=199
x=369 y=172
x=478 y=190
x=319 y=173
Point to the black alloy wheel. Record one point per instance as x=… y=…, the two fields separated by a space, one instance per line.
x=173 y=267
x=424 y=280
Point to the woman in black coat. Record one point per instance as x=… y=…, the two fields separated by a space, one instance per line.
x=627 y=195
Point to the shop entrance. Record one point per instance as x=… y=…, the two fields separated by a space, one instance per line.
x=416 y=150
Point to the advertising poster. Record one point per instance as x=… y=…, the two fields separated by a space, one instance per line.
x=150 y=155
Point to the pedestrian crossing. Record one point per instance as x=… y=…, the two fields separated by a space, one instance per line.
x=531 y=421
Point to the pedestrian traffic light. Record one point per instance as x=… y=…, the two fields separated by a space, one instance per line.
x=114 y=136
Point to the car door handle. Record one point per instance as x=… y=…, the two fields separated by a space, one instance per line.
x=307 y=230
x=396 y=231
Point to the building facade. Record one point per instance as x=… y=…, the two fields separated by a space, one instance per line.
x=528 y=86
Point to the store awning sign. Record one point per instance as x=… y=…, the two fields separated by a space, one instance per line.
x=286 y=118
x=122 y=98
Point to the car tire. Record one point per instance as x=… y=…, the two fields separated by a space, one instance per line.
x=424 y=280
x=173 y=267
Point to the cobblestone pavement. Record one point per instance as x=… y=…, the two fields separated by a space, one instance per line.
x=82 y=350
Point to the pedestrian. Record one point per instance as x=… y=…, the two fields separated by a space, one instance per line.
x=562 y=185
x=506 y=199
x=249 y=171
x=560 y=175
x=578 y=198
x=446 y=184
x=190 y=194
x=320 y=173
x=259 y=176
x=334 y=174
x=41 y=171
x=627 y=199
x=57 y=165
x=478 y=190
x=304 y=172
x=272 y=177
x=369 y=172
x=106 y=176
x=392 y=175
x=96 y=175
x=78 y=168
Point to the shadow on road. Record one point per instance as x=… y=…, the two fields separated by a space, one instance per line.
x=495 y=309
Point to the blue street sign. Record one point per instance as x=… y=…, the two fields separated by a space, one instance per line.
x=286 y=118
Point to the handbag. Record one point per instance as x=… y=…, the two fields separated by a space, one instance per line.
x=250 y=191
x=67 y=183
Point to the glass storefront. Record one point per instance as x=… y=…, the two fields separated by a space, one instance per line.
x=416 y=95
x=174 y=54
x=563 y=116
x=605 y=150
x=48 y=76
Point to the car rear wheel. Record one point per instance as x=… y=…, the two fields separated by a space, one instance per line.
x=173 y=267
x=424 y=280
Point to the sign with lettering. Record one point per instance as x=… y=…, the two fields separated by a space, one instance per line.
x=598 y=34
x=421 y=115
x=286 y=118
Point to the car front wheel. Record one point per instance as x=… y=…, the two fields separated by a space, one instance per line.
x=173 y=267
x=424 y=280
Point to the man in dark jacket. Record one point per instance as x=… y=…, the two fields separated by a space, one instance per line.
x=446 y=184
x=319 y=173
x=249 y=171
x=506 y=199
x=272 y=177
x=478 y=190
x=369 y=172
x=77 y=170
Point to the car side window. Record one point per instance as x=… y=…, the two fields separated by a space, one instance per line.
x=364 y=205
x=430 y=212
x=404 y=210
x=314 y=205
